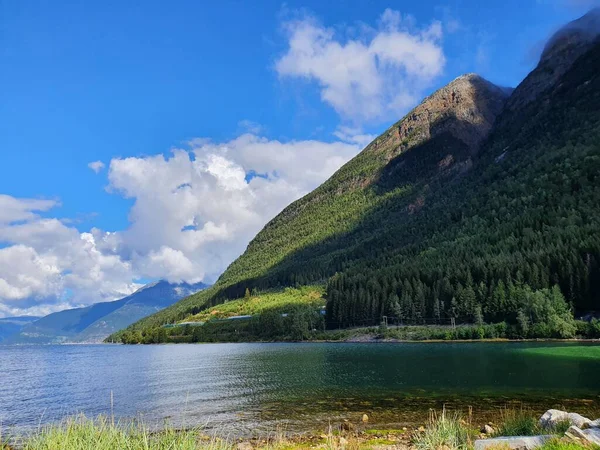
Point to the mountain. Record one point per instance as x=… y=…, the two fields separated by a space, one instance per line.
x=94 y=323
x=12 y=325
x=477 y=191
x=559 y=54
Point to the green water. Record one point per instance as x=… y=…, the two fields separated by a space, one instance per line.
x=247 y=387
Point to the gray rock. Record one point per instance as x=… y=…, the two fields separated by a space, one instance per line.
x=591 y=435
x=575 y=433
x=512 y=442
x=487 y=429
x=553 y=417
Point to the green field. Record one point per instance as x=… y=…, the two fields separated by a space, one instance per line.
x=278 y=301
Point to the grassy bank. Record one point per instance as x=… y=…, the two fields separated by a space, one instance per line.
x=303 y=324
x=448 y=431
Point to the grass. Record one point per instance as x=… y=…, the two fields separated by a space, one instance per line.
x=81 y=433
x=445 y=431
x=279 y=301
x=522 y=422
x=517 y=422
x=569 y=351
x=563 y=444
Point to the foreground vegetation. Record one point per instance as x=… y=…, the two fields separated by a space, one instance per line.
x=449 y=431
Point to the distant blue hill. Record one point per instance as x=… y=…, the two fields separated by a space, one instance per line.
x=96 y=322
x=12 y=325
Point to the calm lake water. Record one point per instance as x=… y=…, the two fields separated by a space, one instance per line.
x=244 y=387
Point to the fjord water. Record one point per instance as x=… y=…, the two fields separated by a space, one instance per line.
x=244 y=386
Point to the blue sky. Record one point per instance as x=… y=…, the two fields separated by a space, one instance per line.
x=128 y=82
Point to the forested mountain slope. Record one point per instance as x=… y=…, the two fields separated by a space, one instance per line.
x=451 y=207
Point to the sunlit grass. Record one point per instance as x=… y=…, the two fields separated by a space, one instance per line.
x=81 y=433
x=517 y=422
x=445 y=431
x=563 y=444
x=280 y=301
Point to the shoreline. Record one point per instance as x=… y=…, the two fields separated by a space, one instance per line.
x=359 y=339
x=367 y=339
x=445 y=428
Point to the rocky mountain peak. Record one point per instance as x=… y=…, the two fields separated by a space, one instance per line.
x=466 y=108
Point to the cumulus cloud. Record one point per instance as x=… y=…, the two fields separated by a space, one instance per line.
x=46 y=265
x=96 y=166
x=194 y=212
x=382 y=72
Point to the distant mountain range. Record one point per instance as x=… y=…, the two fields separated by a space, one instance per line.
x=12 y=325
x=94 y=323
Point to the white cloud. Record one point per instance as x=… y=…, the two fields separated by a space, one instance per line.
x=354 y=135
x=377 y=75
x=96 y=166
x=14 y=210
x=47 y=265
x=194 y=213
x=249 y=126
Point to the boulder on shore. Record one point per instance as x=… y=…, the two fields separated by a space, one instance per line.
x=512 y=442
x=487 y=429
x=553 y=417
x=590 y=435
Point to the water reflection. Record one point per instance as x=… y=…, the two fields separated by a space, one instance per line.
x=241 y=385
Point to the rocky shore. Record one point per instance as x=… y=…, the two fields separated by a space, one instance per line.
x=513 y=429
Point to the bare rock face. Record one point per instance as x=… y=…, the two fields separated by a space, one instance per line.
x=463 y=111
x=466 y=107
x=561 y=51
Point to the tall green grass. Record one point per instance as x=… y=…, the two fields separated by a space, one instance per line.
x=445 y=431
x=81 y=433
x=517 y=422
x=522 y=422
x=563 y=444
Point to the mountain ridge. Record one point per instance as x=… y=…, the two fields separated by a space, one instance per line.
x=95 y=322
x=432 y=221
x=12 y=325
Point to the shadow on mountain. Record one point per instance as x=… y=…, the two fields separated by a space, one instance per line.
x=515 y=208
